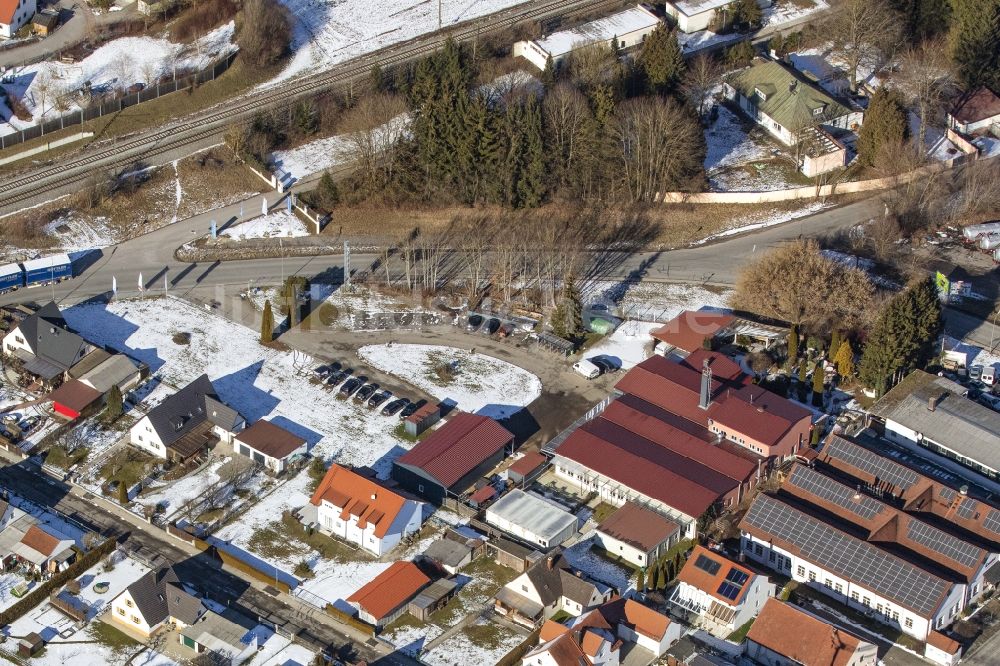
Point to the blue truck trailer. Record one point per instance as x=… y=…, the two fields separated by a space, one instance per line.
x=11 y=277
x=44 y=270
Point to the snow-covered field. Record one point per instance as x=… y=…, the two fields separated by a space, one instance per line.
x=363 y=309
x=738 y=162
x=628 y=344
x=481 y=384
x=462 y=650
x=784 y=11
x=50 y=88
x=75 y=233
x=581 y=556
x=654 y=301
x=327 y=32
x=279 y=223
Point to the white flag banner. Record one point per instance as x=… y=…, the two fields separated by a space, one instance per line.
x=263 y=205
x=114 y=285
x=141 y=288
x=164 y=283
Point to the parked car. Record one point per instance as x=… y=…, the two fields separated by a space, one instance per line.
x=604 y=365
x=506 y=330
x=378 y=399
x=492 y=326
x=393 y=407
x=350 y=386
x=322 y=372
x=975 y=372
x=366 y=392
x=29 y=424
x=475 y=321
x=587 y=369
x=13 y=417
x=336 y=379
x=411 y=408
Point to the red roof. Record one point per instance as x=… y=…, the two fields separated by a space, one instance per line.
x=457 y=447
x=710 y=582
x=423 y=413
x=40 y=540
x=978 y=105
x=366 y=499
x=723 y=368
x=632 y=470
x=528 y=463
x=75 y=395
x=390 y=589
x=483 y=494
x=801 y=637
x=271 y=440
x=689 y=329
x=7 y=10
x=758 y=413
x=638 y=526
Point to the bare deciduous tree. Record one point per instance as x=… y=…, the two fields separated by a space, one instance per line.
x=572 y=132
x=703 y=74
x=928 y=80
x=865 y=34
x=374 y=128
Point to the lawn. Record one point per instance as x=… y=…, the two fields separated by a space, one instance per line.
x=128 y=466
x=59 y=457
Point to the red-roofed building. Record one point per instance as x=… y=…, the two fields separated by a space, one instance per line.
x=72 y=398
x=526 y=468
x=719 y=594
x=976 y=110
x=384 y=598
x=786 y=634
x=362 y=511
x=637 y=534
x=689 y=330
x=452 y=457
x=14 y=14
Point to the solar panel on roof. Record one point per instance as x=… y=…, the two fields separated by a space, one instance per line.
x=843 y=496
x=736 y=576
x=992 y=522
x=948 y=494
x=848 y=557
x=707 y=564
x=945 y=544
x=967 y=509
x=881 y=468
x=729 y=591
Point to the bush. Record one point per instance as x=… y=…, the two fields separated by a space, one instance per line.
x=201 y=18
x=303 y=570
x=263 y=32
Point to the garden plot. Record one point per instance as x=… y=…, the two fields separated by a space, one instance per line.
x=8 y=583
x=50 y=88
x=654 y=301
x=484 y=642
x=582 y=556
x=475 y=381
x=740 y=158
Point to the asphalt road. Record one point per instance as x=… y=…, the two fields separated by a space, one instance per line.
x=311 y=626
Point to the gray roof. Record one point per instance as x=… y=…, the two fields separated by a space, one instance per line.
x=434 y=593
x=956 y=423
x=113 y=371
x=49 y=337
x=219 y=634
x=185 y=410
x=448 y=552
x=846 y=556
x=553 y=578
x=159 y=595
x=532 y=513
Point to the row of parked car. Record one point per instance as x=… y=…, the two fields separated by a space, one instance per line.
x=335 y=376
x=15 y=427
x=477 y=323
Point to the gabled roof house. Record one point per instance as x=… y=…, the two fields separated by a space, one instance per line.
x=157 y=597
x=385 y=597
x=45 y=344
x=784 y=633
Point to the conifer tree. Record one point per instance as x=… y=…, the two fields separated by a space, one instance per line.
x=844 y=360
x=835 y=341
x=741 y=54
x=661 y=60
x=531 y=179
x=114 y=407
x=803 y=370
x=549 y=73
x=793 y=345
x=567 y=321
x=122 y=493
x=818 y=376
x=884 y=126
x=640 y=583
x=975 y=41
x=267 y=324
x=747 y=14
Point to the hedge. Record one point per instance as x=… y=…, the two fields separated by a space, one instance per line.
x=41 y=593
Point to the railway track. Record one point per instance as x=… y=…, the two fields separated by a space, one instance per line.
x=212 y=121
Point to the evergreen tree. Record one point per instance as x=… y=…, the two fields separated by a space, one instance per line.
x=267 y=324
x=122 y=493
x=924 y=18
x=114 y=407
x=306 y=117
x=327 y=191
x=975 y=41
x=835 y=341
x=746 y=14
x=818 y=376
x=377 y=78
x=793 y=345
x=803 y=370
x=567 y=321
x=741 y=54
x=884 y=126
x=661 y=60
x=531 y=176
x=549 y=73
x=844 y=360
x=640 y=583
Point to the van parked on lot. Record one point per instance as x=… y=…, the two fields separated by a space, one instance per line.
x=587 y=369
x=989 y=376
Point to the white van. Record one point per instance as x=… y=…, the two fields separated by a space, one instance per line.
x=587 y=369
x=989 y=376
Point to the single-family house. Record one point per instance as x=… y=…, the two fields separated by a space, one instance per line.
x=548 y=586
x=696 y=15
x=635 y=623
x=156 y=598
x=719 y=594
x=621 y=30
x=790 y=107
x=976 y=111
x=453 y=457
x=636 y=534
x=45 y=345
x=230 y=640
x=269 y=445
x=532 y=519
x=385 y=597
x=362 y=511
x=26 y=539
x=787 y=635
x=187 y=423
x=14 y=14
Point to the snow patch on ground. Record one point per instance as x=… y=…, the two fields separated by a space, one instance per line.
x=581 y=556
x=74 y=232
x=756 y=222
x=973 y=355
x=735 y=161
x=275 y=224
x=627 y=346
x=481 y=384
x=461 y=650
x=655 y=301
x=783 y=11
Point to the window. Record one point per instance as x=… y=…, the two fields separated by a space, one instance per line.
x=770 y=555
x=867 y=602
x=908 y=623
x=759 y=93
x=135 y=619
x=854 y=596
x=19 y=339
x=878 y=608
x=895 y=616
x=827 y=582
x=128 y=602
x=758 y=549
x=812 y=576
x=420 y=487
x=524 y=588
x=800 y=571
x=121 y=611
x=839 y=588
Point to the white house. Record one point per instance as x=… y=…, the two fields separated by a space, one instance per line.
x=622 y=30
x=975 y=111
x=695 y=15
x=531 y=519
x=637 y=535
x=362 y=511
x=786 y=635
x=721 y=594
x=45 y=345
x=187 y=423
x=154 y=599
x=548 y=586
x=14 y=14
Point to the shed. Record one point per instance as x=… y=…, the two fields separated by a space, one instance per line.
x=482 y=496
x=72 y=398
x=268 y=444
x=451 y=555
x=422 y=419
x=510 y=554
x=43 y=23
x=432 y=598
x=30 y=645
x=526 y=469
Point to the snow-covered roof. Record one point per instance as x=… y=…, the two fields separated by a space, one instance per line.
x=46 y=262
x=692 y=7
x=601 y=30
x=9 y=269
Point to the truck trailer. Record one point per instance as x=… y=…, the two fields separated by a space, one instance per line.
x=974 y=231
x=11 y=277
x=45 y=270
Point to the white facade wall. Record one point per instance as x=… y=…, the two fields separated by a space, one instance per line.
x=623 y=550
x=143 y=436
x=525 y=534
x=14 y=341
x=693 y=23
x=406 y=522
x=126 y=613
x=867 y=653
x=947 y=457
x=22 y=15
x=759 y=590
x=657 y=647
x=970 y=128
x=776 y=129
x=616 y=494
x=854 y=595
